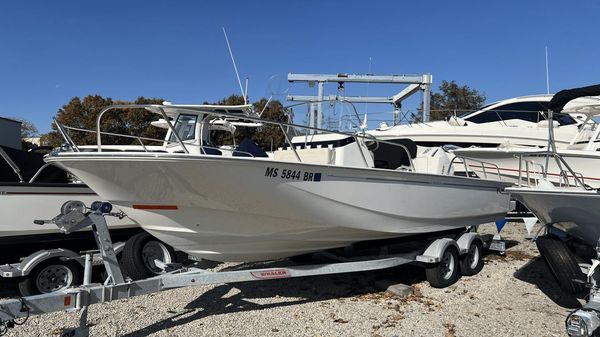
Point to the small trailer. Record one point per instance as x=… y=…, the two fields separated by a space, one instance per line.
x=445 y=259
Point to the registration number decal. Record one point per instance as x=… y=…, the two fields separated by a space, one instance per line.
x=292 y=174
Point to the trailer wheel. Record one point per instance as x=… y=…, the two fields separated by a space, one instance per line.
x=471 y=263
x=139 y=254
x=50 y=276
x=445 y=272
x=562 y=264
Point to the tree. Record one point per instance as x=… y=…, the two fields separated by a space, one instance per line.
x=83 y=114
x=268 y=136
x=454 y=98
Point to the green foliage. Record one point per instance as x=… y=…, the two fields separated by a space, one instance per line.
x=454 y=98
x=83 y=114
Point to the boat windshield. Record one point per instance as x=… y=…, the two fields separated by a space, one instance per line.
x=533 y=111
x=185 y=127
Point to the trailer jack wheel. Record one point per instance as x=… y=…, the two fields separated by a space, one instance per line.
x=51 y=276
x=471 y=263
x=446 y=272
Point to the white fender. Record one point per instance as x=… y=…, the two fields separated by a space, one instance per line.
x=434 y=252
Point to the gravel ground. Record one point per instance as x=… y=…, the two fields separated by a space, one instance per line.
x=514 y=295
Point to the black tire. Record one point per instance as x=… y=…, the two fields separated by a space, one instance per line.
x=562 y=264
x=51 y=275
x=445 y=272
x=135 y=261
x=471 y=263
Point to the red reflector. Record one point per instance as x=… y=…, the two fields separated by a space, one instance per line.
x=155 y=207
x=67 y=301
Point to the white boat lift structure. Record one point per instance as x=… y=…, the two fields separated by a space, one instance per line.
x=415 y=83
x=445 y=259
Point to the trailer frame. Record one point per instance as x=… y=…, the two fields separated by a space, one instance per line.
x=75 y=216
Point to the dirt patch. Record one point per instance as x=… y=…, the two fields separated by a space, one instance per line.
x=450 y=330
x=511 y=255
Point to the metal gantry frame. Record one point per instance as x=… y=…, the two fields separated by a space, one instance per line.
x=415 y=83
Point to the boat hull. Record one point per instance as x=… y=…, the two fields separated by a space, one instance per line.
x=21 y=203
x=573 y=211
x=240 y=209
x=439 y=133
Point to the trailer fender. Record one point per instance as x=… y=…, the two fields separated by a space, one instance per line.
x=31 y=261
x=464 y=242
x=435 y=250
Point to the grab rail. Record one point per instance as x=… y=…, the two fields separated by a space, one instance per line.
x=560 y=161
x=138 y=138
x=483 y=163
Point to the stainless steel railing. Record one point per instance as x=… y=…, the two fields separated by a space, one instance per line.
x=465 y=161
x=359 y=138
x=560 y=161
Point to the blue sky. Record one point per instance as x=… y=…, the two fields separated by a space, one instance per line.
x=52 y=51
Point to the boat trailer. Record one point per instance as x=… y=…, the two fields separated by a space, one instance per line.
x=76 y=216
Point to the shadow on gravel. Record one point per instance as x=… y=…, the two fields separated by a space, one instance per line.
x=537 y=273
x=282 y=292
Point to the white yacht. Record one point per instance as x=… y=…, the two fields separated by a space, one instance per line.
x=517 y=121
x=525 y=164
x=244 y=205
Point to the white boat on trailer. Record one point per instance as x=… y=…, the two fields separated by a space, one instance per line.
x=235 y=206
x=304 y=199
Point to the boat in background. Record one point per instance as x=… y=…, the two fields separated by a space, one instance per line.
x=572 y=208
x=235 y=205
x=32 y=190
x=520 y=121
x=520 y=164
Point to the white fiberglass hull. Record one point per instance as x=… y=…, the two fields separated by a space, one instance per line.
x=21 y=204
x=572 y=210
x=583 y=163
x=439 y=133
x=250 y=209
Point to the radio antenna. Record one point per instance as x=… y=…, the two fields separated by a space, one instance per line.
x=547 y=75
x=237 y=74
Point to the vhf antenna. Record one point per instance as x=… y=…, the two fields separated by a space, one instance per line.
x=237 y=74
x=547 y=74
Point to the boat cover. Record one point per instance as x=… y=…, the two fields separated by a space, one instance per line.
x=29 y=163
x=563 y=97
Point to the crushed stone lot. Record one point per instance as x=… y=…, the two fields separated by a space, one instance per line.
x=514 y=295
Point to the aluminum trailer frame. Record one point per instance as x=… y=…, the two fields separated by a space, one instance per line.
x=75 y=216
